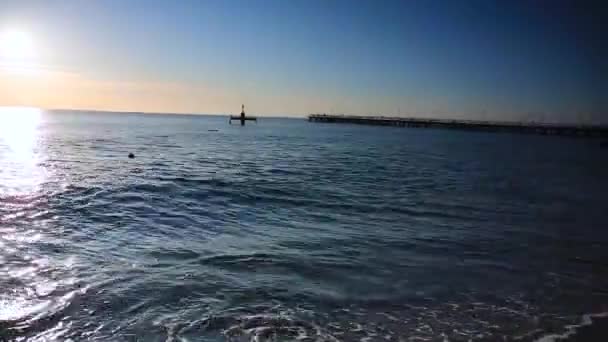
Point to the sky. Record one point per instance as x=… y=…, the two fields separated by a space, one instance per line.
x=495 y=60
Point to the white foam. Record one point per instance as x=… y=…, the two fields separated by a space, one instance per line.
x=571 y=329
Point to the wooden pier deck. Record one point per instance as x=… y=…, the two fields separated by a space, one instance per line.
x=490 y=126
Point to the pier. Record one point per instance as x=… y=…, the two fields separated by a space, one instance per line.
x=489 y=126
x=242 y=118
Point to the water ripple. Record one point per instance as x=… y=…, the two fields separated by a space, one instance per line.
x=293 y=231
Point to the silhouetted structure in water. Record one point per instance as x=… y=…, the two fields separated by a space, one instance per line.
x=477 y=125
x=131 y=156
x=242 y=118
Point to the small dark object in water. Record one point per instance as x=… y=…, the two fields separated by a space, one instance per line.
x=212 y=130
x=131 y=156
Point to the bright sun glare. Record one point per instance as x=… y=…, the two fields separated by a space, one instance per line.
x=18 y=130
x=19 y=151
x=16 y=47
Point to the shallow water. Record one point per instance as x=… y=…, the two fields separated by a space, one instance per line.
x=293 y=230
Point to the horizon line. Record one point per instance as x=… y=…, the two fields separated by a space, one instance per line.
x=299 y=116
x=117 y=111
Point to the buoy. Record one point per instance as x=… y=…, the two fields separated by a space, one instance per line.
x=131 y=156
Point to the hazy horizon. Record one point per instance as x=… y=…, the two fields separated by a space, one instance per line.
x=18 y=110
x=514 y=61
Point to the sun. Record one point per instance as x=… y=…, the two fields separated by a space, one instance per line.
x=16 y=47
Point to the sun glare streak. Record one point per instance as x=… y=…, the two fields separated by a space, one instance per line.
x=19 y=130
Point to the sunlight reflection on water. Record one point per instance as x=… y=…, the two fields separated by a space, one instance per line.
x=21 y=179
x=19 y=151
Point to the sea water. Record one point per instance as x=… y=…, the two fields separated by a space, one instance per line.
x=289 y=230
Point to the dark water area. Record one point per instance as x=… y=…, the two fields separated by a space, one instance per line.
x=289 y=230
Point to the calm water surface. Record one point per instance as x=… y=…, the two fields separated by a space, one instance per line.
x=289 y=230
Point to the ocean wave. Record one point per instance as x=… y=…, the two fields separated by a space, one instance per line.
x=571 y=330
x=285 y=231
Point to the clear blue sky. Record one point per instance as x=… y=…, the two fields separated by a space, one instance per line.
x=507 y=60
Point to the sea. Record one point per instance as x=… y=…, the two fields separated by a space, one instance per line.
x=287 y=230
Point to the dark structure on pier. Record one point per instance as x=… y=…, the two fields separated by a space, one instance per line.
x=242 y=118
x=490 y=126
